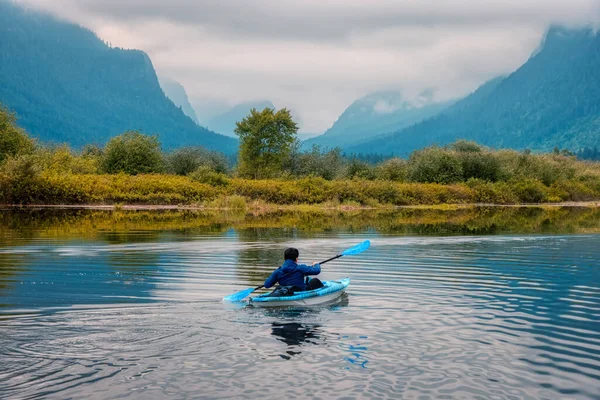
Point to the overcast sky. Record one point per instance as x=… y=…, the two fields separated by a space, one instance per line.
x=317 y=56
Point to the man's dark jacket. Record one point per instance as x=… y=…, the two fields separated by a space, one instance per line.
x=292 y=274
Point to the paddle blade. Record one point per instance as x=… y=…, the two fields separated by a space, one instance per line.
x=239 y=296
x=359 y=248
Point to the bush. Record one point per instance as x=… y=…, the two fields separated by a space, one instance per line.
x=488 y=192
x=465 y=146
x=207 y=175
x=62 y=160
x=434 y=165
x=186 y=160
x=14 y=141
x=359 y=169
x=328 y=165
x=91 y=150
x=573 y=191
x=478 y=165
x=529 y=190
x=19 y=183
x=133 y=153
x=394 y=169
x=547 y=168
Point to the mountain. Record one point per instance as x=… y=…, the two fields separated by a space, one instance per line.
x=374 y=115
x=553 y=100
x=303 y=136
x=225 y=123
x=177 y=94
x=66 y=85
x=206 y=108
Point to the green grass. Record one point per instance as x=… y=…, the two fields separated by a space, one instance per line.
x=47 y=187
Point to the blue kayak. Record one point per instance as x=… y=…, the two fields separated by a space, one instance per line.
x=330 y=292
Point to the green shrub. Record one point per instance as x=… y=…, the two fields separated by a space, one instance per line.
x=62 y=160
x=328 y=165
x=20 y=179
x=573 y=191
x=494 y=193
x=547 y=168
x=529 y=190
x=14 y=141
x=434 y=165
x=91 y=150
x=359 y=169
x=465 y=146
x=480 y=165
x=133 y=153
x=394 y=169
x=186 y=160
x=206 y=174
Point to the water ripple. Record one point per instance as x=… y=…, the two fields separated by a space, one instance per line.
x=499 y=317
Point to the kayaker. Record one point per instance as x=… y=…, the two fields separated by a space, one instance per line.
x=292 y=274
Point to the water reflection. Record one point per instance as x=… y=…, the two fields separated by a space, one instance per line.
x=295 y=334
x=515 y=316
x=18 y=227
x=357 y=351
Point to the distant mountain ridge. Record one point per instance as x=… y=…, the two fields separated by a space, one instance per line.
x=177 y=94
x=66 y=85
x=225 y=122
x=553 y=100
x=375 y=115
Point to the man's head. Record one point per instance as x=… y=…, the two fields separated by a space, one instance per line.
x=291 y=254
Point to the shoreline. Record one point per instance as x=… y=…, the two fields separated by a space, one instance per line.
x=292 y=207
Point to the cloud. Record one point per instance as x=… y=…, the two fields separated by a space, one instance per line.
x=317 y=57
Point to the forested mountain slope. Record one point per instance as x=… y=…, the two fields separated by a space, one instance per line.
x=66 y=85
x=553 y=100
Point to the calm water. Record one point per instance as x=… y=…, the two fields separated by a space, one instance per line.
x=457 y=304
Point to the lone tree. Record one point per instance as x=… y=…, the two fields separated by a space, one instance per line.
x=266 y=141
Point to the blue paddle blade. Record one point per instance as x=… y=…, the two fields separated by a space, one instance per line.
x=359 y=248
x=239 y=296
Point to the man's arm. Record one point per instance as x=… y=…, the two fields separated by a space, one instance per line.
x=308 y=270
x=272 y=279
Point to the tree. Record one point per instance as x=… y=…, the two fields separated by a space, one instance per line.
x=434 y=165
x=132 y=153
x=13 y=140
x=266 y=141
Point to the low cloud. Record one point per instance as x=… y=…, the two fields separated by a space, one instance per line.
x=317 y=57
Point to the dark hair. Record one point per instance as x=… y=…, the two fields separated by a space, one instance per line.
x=291 y=254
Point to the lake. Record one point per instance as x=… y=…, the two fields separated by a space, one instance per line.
x=481 y=303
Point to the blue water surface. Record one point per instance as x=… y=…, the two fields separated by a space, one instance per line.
x=512 y=316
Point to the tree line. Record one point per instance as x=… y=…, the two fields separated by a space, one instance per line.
x=269 y=148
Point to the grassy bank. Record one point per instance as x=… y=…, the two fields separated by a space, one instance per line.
x=48 y=187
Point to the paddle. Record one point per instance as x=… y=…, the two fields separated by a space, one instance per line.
x=357 y=249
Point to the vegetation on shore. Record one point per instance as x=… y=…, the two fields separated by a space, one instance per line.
x=132 y=169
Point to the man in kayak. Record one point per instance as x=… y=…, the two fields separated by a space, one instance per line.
x=292 y=274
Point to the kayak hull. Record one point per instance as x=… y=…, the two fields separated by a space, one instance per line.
x=330 y=292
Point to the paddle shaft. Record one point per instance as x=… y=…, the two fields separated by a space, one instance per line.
x=331 y=259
